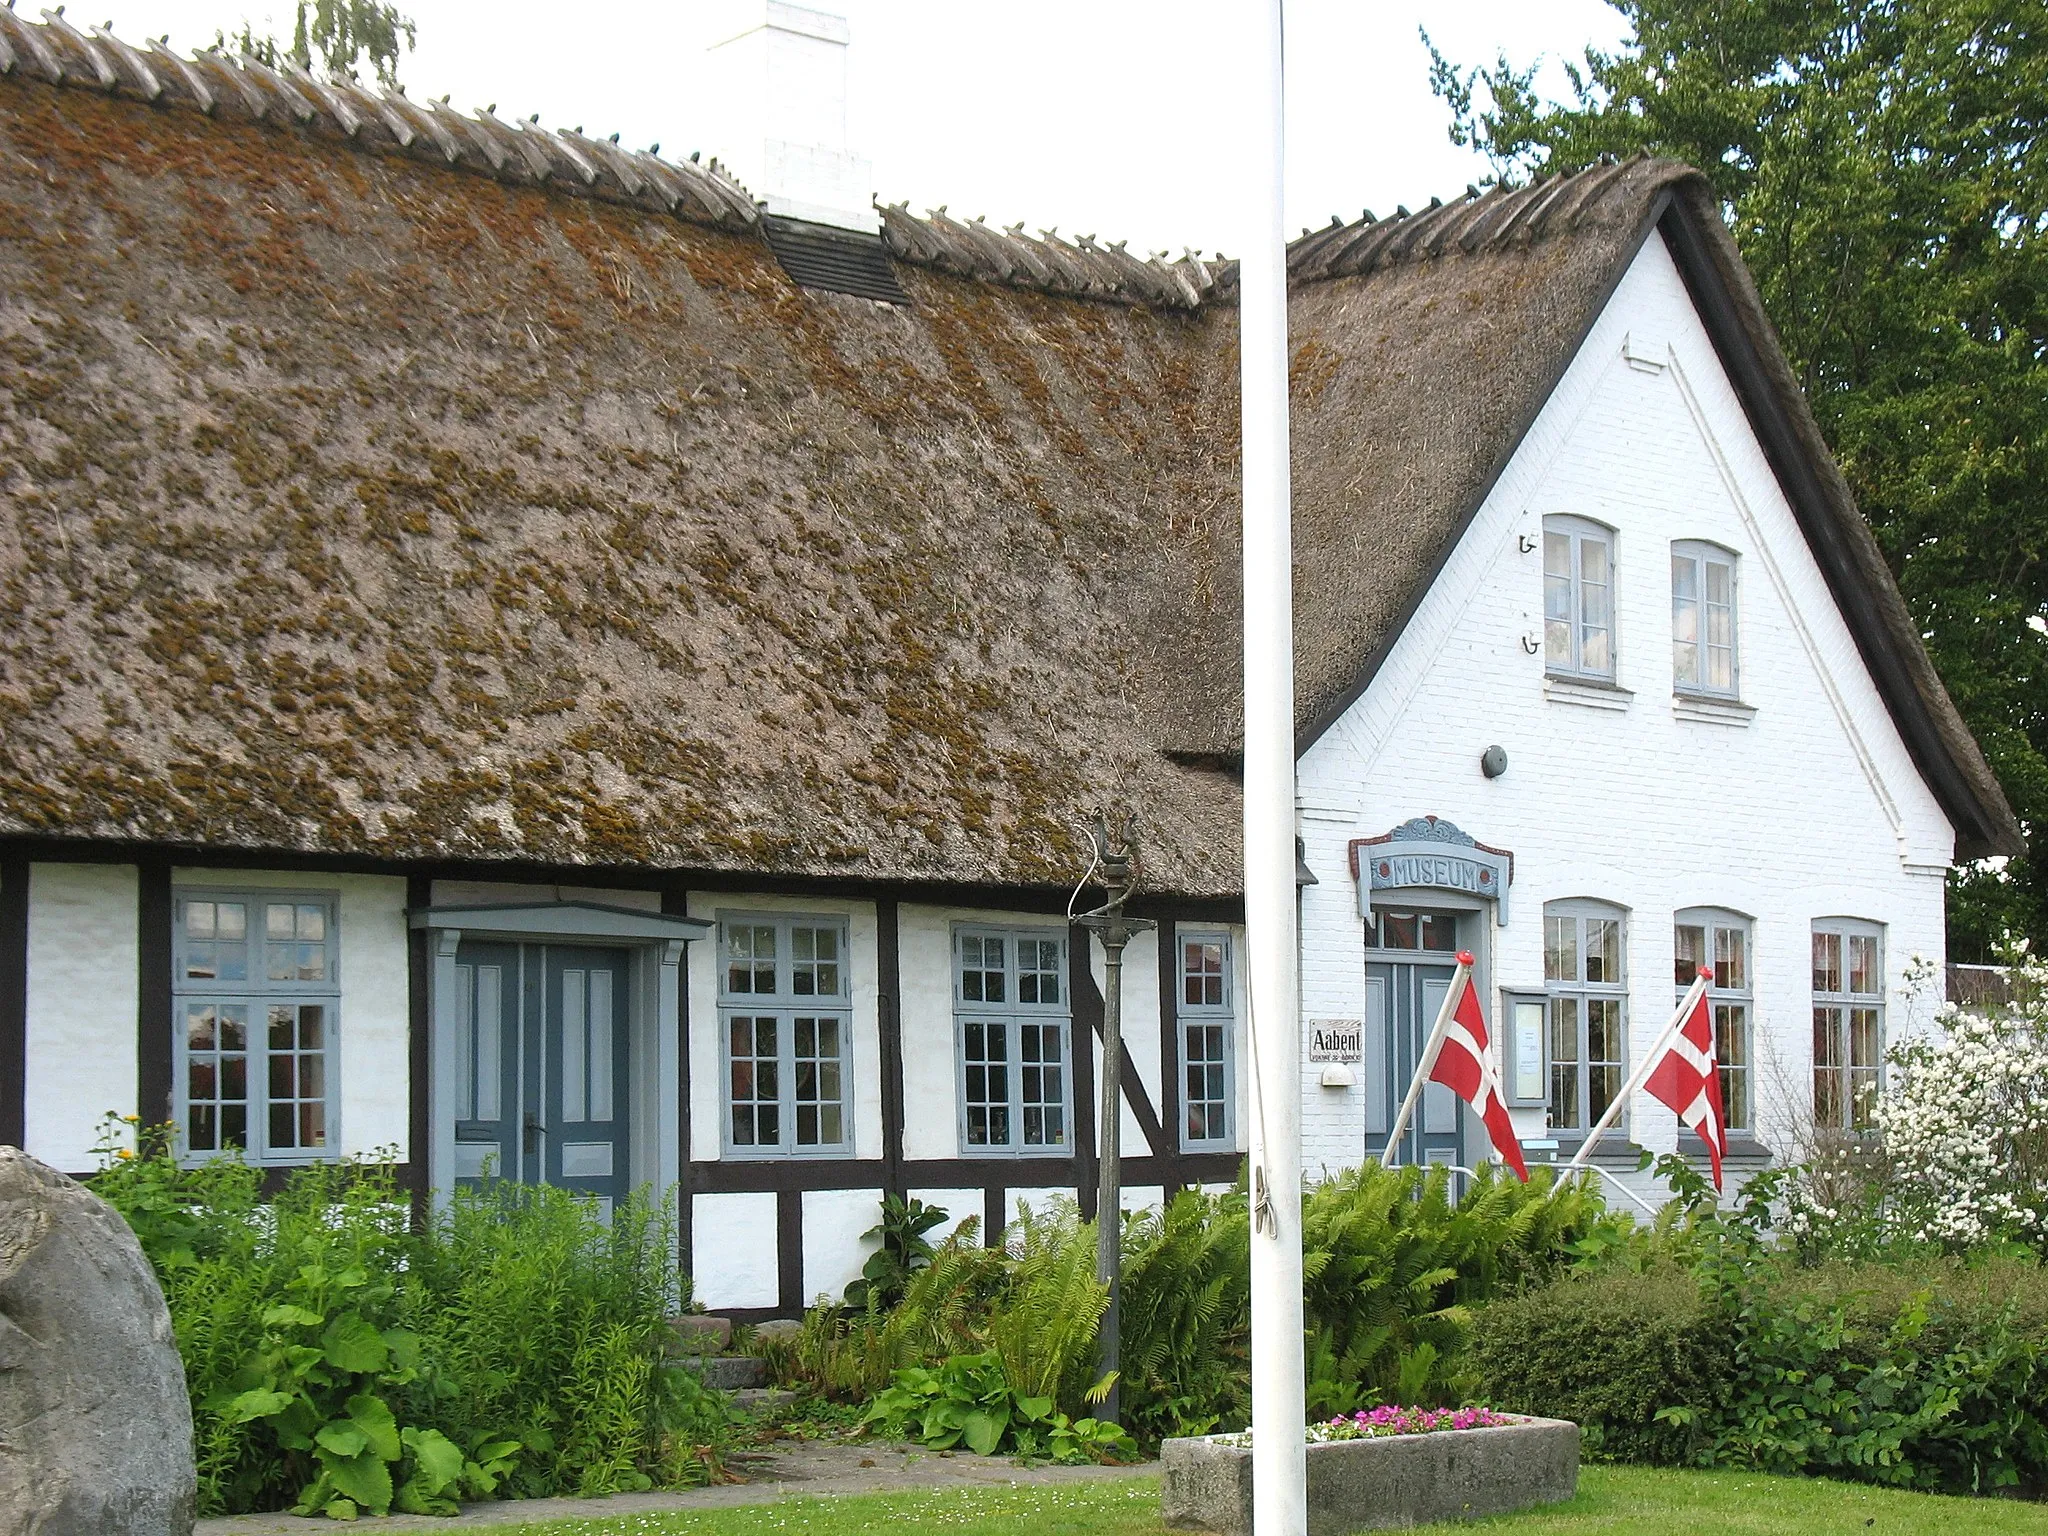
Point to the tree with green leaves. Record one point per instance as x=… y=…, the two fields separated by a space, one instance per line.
x=340 y=35
x=1884 y=167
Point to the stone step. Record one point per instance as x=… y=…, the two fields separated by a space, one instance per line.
x=756 y=1400
x=728 y=1373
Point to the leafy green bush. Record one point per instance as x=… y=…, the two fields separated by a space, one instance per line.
x=1929 y=1375
x=902 y=1249
x=969 y=1401
x=342 y=1363
x=1610 y=1352
x=1393 y=1264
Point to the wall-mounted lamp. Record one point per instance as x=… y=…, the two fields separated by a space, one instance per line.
x=1493 y=762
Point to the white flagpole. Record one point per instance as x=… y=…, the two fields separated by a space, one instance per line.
x=1430 y=1050
x=1643 y=1069
x=1279 y=1448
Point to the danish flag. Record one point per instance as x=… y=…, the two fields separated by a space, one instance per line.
x=1689 y=1080
x=1464 y=1064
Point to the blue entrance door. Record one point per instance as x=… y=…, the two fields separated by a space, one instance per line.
x=1409 y=961
x=542 y=1041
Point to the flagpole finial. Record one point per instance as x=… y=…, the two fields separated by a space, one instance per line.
x=1706 y=973
x=1464 y=957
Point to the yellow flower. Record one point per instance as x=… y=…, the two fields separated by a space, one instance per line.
x=133 y=1119
x=124 y=1152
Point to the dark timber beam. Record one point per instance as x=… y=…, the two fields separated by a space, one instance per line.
x=155 y=1018
x=13 y=997
x=889 y=1023
x=1170 y=1085
x=419 y=1120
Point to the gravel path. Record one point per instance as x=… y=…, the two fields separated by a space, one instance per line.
x=787 y=1469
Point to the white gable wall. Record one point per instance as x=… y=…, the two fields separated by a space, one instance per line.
x=1812 y=809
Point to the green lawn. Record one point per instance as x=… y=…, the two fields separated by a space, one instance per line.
x=1612 y=1501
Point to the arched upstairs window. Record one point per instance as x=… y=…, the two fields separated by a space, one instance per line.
x=1703 y=656
x=1716 y=937
x=1586 y=992
x=1578 y=598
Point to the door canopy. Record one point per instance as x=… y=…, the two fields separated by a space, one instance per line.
x=1430 y=854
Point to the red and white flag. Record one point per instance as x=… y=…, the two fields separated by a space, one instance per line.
x=1689 y=1080
x=1464 y=1064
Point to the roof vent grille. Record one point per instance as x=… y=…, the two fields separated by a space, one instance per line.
x=835 y=260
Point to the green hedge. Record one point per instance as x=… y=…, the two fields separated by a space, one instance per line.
x=1608 y=1352
x=1929 y=1375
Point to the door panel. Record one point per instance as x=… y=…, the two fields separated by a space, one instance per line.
x=1439 y=1104
x=1402 y=999
x=585 y=1029
x=487 y=1061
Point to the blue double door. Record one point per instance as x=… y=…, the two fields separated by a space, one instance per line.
x=543 y=1050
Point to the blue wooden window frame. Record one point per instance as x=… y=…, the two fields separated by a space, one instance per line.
x=1848 y=1021
x=1204 y=1000
x=785 y=1030
x=1580 y=638
x=1725 y=940
x=1705 y=612
x=1013 y=1052
x=256 y=1023
x=1578 y=988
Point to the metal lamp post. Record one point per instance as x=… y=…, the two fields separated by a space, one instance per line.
x=1116 y=857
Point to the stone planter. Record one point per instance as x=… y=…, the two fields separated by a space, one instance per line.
x=1381 y=1484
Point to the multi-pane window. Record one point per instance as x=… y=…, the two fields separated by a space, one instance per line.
x=1436 y=931
x=1208 y=1040
x=1704 y=936
x=256 y=989
x=784 y=1011
x=1848 y=1021
x=1578 y=598
x=1586 y=997
x=1010 y=1004
x=1702 y=619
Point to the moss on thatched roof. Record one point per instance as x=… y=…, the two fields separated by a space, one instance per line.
x=387 y=482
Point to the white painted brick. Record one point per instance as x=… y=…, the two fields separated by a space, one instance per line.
x=1814 y=810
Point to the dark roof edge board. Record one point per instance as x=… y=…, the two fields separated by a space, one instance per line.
x=1314 y=731
x=44 y=848
x=1940 y=744
x=1847 y=552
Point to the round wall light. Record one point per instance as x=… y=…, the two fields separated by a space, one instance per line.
x=1493 y=762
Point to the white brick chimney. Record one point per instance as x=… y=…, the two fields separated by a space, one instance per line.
x=775 y=80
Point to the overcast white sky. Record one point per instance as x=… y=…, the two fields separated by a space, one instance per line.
x=1106 y=117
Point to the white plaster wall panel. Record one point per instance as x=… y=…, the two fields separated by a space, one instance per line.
x=1814 y=809
x=834 y=1249
x=1133 y=1198
x=464 y=893
x=372 y=1033
x=82 y=957
x=1140 y=1029
x=931 y=1092
x=707 y=1057
x=1039 y=1202
x=733 y=1251
x=959 y=1205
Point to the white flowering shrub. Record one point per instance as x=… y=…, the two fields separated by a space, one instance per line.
x=1959 y=1156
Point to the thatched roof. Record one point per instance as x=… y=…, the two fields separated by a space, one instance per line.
x=390 y=482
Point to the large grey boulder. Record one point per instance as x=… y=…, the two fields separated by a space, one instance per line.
x=95 y=1427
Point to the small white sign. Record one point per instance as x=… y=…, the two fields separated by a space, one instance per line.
x=1336 y=1040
